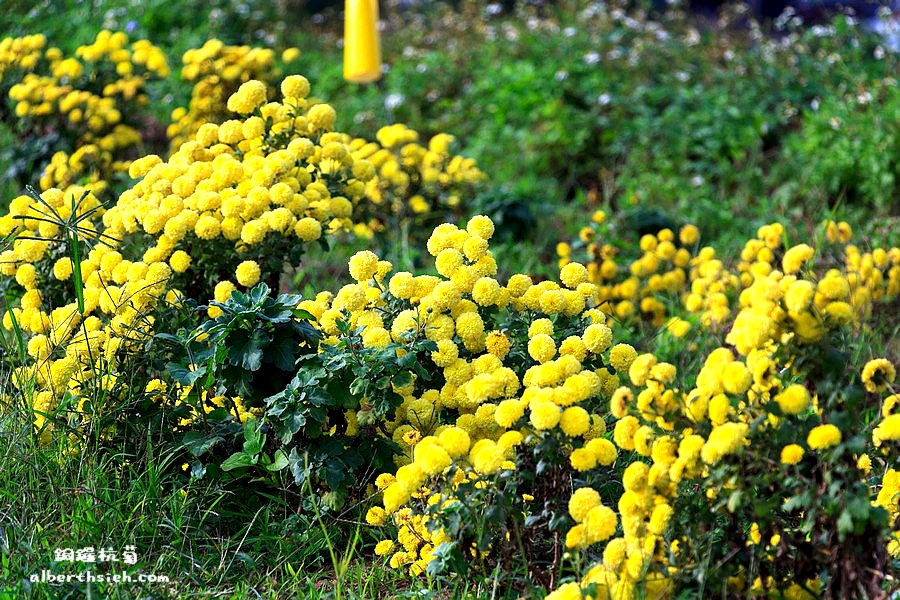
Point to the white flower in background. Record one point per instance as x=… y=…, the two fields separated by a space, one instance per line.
x=393 y=100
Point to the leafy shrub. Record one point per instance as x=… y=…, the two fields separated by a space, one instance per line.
x=848 y=147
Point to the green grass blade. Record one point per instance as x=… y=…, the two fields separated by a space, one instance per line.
x=75 y=248
x=20 y=339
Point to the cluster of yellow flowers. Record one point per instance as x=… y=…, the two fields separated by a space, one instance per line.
x=878 y=376
x=415 y=181
x=498 y=396
x=229 y=207
x=734 y=395
x=70 y=349
x=56 y=92
x=21 y=53
x=74 y=351
x=217 y=71
x=241 y=197
x=499 y=388
x=775 y=301
x=157 y=390
x=670 y=268
x=889 y=499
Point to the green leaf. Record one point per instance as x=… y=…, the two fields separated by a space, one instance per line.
x=845 y=523
x=359 y=386
x=279 y=462
x=402 y=379
x=197 y=444
x=259 y=292
x=254 y=439
x=281 y=353
x=305 y=315
x=245 y=349
x=236 y=461
x=184 y=376
x=408 y=360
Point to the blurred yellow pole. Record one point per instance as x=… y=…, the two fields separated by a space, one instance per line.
x=362 y=47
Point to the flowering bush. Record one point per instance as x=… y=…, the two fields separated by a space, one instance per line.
x=242 y=199
x=473 y=439
x=763 y=474
x=415 y=185
x=84 y=113
x=217 y=71
x=536 y=429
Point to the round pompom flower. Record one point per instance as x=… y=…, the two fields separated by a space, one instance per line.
x=621 y=356
x=540 y=326
x=823 y=436
x=481 y=226
x=544 y=414
x=295 y=86
x=433 y=458
x=599 y=524
x=541 y=348
x=321 y=117
x=250 y=95
x=573 y=274
x=567 y=591
x=180 y=261
x=508 y=412
x=575 y=421
x=623 y=433
x=384 y=547
x=603 y=450
x=793 y=400
x=597 y=337
x=497 y=343
x=308 y=229
x=582 y=501
x=62 y=268
x=363 y=265
x=795 y=257
x=791 y=454
x=887 y=430
x=455 y=441
x=376 y=516
x=582 y=459
x=486 y=291
x=736 y=378
x=247 y=273
x=639 y=369
x=222 y=291
x=614 y=553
